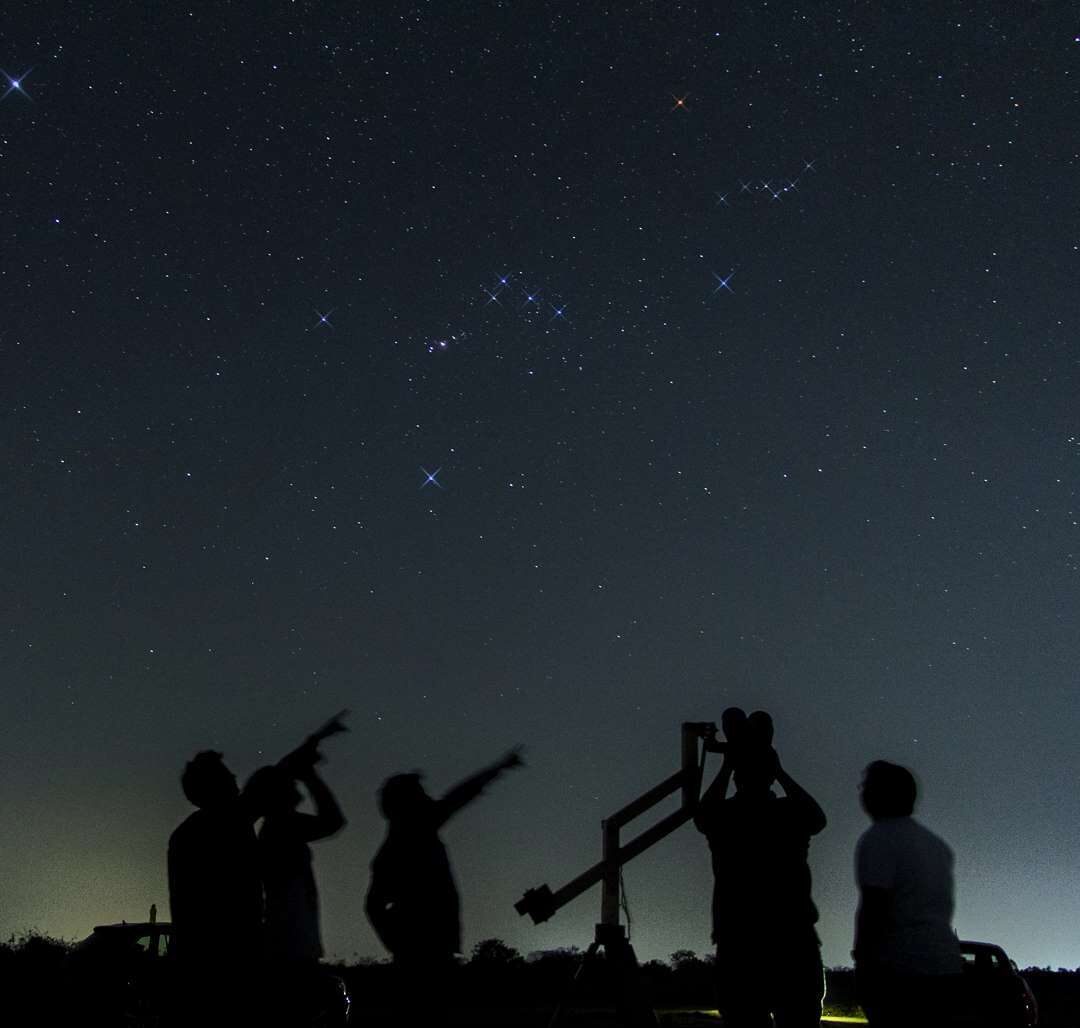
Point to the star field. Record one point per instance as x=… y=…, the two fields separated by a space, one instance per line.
x=543 y=374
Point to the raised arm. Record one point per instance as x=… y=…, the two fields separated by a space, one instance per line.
x=709 y=804
x=307 y=753
x=465 y=792
x=811 y=810
x=328 y=818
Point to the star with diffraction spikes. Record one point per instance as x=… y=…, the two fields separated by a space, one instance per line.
x=324 y=319
x=431 y=478
x=492 y=294
x=15 y=83
x=723 y=282
x=680 y=102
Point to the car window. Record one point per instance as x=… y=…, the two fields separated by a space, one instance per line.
x=163 y=945
x=144 y=943
x=980 y=960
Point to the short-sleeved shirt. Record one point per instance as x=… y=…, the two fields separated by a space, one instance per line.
x=292 y=900
x=915 y=868
x=759 y=855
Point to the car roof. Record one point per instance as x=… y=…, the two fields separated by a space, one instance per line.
x=969 y=945
x=136 y=927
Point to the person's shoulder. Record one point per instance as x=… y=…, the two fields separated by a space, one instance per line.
x=387 y=865
x=190 y=827
x=787 y=807
x=877 y=834
x=929 y=838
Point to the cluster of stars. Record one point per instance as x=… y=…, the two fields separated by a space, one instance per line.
x=773 y=188
x=441 y=344
x=532 y=304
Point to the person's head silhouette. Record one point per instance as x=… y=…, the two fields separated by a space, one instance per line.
x=207 y=782
x=888 y=790
x=755 y=771
x=402 y=799
x=272 y=790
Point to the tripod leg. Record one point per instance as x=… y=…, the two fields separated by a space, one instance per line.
x=585 y=958
x=632 y=1006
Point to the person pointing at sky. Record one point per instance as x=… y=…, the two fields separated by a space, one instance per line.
x=412 y=901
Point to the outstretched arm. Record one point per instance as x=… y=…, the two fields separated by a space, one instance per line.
x=306 y=755
x=328 y=818
x=465 y=792
x=811 y=810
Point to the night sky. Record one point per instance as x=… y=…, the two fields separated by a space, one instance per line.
x=540 y=373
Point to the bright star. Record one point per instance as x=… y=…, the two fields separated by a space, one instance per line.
x=15 y=85
x=324 y=319
x=530 y=298
x=431 y=478
x=721 y=200
x=491 y=297
x=723 y=282
x=559 y=313
x=744 y=187
x=809 y=165
x=680 y=101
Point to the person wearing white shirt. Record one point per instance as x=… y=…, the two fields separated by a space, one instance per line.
x=907 y=956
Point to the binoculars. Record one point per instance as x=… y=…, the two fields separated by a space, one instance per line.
x=742 y=732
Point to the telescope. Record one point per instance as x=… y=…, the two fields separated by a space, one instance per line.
x=541 y=903
x=742 y=734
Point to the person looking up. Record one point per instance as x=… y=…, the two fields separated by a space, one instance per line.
x=412 y=902
x=907 y=956
x=768 y=956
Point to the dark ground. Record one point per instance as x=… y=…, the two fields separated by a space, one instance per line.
x=496 y=987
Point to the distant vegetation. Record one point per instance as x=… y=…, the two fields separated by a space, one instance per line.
x=32 y=970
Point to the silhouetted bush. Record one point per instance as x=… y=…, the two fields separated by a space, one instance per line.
x=32 y=975
x=38 y=989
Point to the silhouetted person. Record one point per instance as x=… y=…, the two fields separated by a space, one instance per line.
x=215 y=893
x=215 y=887
x=291 y=922
x=768 y=956
x=412 y=901
x=907 y=957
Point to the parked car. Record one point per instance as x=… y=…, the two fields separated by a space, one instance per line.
x=998 y=996
x=124 y=973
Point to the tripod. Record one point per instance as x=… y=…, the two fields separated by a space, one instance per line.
x=541 y=903
x=632 y=1008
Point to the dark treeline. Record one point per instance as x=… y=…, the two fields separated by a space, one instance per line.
x=496 y=977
